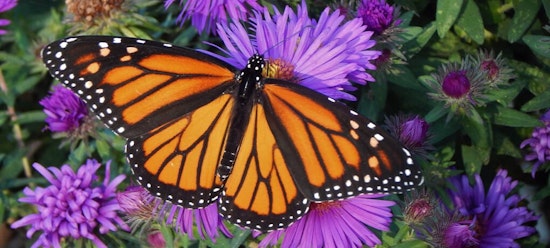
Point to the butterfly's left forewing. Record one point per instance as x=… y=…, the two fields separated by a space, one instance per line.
x=135 y=85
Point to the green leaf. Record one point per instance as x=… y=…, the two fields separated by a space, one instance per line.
x=471 y=22
x=478 y=132
x=31 y=116
x=542 y=193
x=412 y=244
x=506 y=94
x=472 y=159
x=539 y=44
x=167 y=234
x=239 y=238
x=404 y=77
x=446 y=15
x=513 y=118
x=504 y=146
x=546 y=5
x=525 y=12
x=27 y=84
x=409 y=33
x=406 y=19
x=414 y=46
x=443 y=129
x=103 y=148
x=3 y=117
x=78 y=155
x=437 y=112
x=373 y=100
x=12 y=165
x=541 y=101
x=20 y=182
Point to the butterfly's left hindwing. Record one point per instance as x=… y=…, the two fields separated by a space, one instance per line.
x=134 y=85
x=178 y=161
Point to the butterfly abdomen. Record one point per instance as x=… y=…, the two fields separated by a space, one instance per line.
x=249 y=79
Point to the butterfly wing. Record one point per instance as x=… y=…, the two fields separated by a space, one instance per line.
x=178 y=161
x=135 y=85
x=260 y=193
x=331 y=151
x=171 y=103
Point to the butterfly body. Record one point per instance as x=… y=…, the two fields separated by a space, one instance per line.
x=249 y=80
x=200 y=132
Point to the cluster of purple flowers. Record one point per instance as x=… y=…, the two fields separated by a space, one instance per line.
x=74 y=205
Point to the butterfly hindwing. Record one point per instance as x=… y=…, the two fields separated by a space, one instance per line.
x=260 y=193
x=332 y=152
x=135 y=85
x=178 y=161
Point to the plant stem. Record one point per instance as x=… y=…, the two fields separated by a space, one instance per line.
x=16 y=128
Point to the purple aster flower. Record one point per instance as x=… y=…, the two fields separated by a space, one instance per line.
x=460 y=235
x=142 y=207
x=137 y=206
x=376 y=14
x=156 y=240
x=459 y=86
x=6 y=5
x=343 y=223
x=65 y=112
x=207 y=221
x=324 y=55
x=412 y=132
x=205 y=14
x=539 y=143
x=419 y=206
x=492 y=219
x=495 y=68
x=73 y=206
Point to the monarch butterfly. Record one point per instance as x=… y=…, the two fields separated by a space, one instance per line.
x=199 y=131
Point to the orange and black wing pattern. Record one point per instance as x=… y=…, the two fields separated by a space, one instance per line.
x=261 y=192
x=135 y=85
x=169 y=102
x=331 y=151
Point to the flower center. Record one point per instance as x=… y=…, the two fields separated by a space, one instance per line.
x=491 y=67
x=324 y=207
x=456 y=84
x=88 y=9
x=279 y=69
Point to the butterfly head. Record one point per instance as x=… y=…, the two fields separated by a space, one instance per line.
x=255 y=64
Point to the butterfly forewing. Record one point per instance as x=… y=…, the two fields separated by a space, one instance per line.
x=332 y=152
x=135 y=85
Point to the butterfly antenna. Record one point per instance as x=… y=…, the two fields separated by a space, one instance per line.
x=286 y=39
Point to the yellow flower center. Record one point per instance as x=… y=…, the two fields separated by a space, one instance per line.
x=279 y=69
x=90 y=9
